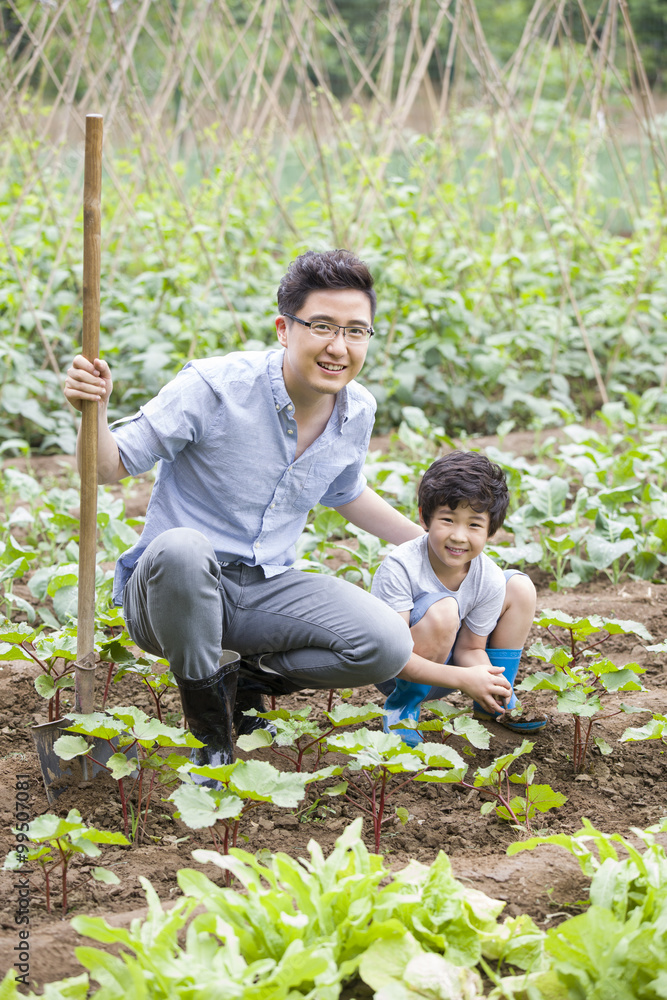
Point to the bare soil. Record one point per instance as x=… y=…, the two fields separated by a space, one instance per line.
x=616 y=792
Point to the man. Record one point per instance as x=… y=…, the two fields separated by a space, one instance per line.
x=247 y=445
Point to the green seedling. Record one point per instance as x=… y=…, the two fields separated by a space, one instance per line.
x=296 y=730
x=656 y=729
x=582 y=676
x=128 y=729
x=496 y=780
x=157 y=684
x=308 y=927
x=636 y=883
x=450 y=722
x=55 y=653
x=59 y=841
x=14 y=563
x=374 y=759
x=245 y=784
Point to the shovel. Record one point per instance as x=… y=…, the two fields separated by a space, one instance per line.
x=58 y=774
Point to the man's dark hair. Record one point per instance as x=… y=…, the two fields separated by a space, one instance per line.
x=465 y=477
x=315 y=270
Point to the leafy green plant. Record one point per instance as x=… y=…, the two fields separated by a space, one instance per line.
x=59 y=841
x=618 y=948
x=450 y=722
x=296 y=730
x=496 y=780
x=123 y=730
x=55 y=653
x=656 y=729
x=374 y=758
x=582 y=676
x=14 y=564
x=306 y=928
x=158 y=684
x=244 y=785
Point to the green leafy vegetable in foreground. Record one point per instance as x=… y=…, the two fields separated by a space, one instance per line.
x=302 y=929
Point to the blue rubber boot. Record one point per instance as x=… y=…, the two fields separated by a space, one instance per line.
x=404 y=702
x=509 y=660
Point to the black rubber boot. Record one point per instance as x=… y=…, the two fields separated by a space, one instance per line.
x=254 y=676
x=208 y=707
x=247 y=699
x=256 y=681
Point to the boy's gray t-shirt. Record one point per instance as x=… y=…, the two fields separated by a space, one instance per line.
x=406 y=574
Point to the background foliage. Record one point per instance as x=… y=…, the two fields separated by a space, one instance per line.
x=500 y=166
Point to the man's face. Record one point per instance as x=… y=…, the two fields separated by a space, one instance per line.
x=313 y=367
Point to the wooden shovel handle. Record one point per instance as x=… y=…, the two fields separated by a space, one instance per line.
x=92 y=199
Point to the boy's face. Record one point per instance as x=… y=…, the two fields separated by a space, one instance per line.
x=313 y=367
x=455 y=537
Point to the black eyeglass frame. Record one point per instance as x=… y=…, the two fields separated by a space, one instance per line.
x=338 y=328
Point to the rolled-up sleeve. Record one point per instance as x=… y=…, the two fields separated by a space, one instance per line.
x=177 y=416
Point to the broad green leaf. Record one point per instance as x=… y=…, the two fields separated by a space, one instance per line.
x=350 y=715
x=45 y=686
x=255 y=740
x=68 y=747
x=200 y=807
x=121 y=766
x=106 y=876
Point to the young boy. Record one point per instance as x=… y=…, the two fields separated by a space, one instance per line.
x=465 y=614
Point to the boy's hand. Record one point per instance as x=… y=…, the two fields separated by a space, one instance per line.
x=486 y=685
x=86 y=380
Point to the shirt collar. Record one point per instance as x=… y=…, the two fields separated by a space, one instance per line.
x=341 y=411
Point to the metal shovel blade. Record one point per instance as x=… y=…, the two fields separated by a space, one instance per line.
x=59 y=774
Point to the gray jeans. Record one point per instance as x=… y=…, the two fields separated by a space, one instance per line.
x=319 y=631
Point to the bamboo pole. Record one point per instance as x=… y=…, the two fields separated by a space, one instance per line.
x=92 y=196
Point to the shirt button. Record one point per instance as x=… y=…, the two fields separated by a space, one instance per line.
x=290 y=432
x=272 y=506
x=277 y=406
x=290 y=407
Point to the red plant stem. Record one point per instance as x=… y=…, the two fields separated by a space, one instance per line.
x=139 y=791
x=155 y=699
x=380 y=812
x=330 y=701
x=110 y=673
x=123 y=803
x=47 y=880
x=35 y=657
x=286 y=756
x=307 y=746
x=148 y=802
x=56 y=707
x=273 y=702
x=496 y=795
x=360 y=791
x=63 y=864
x=588 y=736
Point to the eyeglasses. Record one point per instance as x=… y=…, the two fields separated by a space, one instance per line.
x=329 y=331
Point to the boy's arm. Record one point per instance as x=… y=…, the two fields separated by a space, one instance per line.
x=472 y=673
x=371 y=513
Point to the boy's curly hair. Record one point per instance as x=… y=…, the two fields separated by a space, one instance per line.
x=465 y=477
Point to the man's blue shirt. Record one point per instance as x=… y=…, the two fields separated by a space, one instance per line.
x=224 y=434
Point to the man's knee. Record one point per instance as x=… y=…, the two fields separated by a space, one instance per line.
x=180 y=556
x=392 y=649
